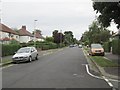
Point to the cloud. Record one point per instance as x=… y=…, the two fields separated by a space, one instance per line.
x=74 y=15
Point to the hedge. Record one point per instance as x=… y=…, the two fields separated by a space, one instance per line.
x=116 y=47
x=9 y=49
x=107 y=46
x=12 y=48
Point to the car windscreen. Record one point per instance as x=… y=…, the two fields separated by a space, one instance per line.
x=96 y=46
x=24 y=50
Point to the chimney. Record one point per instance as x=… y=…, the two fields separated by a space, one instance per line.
x=24 y=27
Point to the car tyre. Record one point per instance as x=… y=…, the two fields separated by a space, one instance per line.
x=30 y=59
x=36 y=58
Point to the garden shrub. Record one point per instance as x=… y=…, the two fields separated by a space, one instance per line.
x=9 y=49
x=116 y=46
x=107 y=46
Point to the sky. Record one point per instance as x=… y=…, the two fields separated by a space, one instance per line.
x=61 y=15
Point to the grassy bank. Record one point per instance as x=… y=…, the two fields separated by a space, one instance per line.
x=101 y=61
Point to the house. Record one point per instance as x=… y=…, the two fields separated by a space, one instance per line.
x=38 y=36
x=7 y=34
x=116 y=35
x=22 y=35
x=25 y=36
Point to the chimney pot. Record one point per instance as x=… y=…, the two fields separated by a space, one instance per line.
x=24 y=27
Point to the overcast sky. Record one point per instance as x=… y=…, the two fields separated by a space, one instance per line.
x=65 y=15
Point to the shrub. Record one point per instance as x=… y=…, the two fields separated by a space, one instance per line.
x=9 y=49
x=107 y=46
x=116 y=47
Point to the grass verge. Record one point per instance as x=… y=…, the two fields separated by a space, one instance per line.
x=101 y=61
x=6 y=61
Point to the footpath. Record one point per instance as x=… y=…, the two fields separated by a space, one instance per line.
x=113 y=72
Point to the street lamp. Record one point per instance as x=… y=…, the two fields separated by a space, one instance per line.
x=34 y=30
x=60 y=38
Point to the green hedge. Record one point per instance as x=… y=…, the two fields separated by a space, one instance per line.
x=116 y=47
x=12 y=48
x=107 y=46
x=9 y=49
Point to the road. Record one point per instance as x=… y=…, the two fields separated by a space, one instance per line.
x=61 y=69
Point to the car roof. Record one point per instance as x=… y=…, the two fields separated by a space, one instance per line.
x=28 y=47
x=95 y=44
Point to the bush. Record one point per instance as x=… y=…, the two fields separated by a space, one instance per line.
x=116 y=47
x=9 y=49
x=107 y=46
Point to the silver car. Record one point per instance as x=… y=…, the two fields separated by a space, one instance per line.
x=25 y=54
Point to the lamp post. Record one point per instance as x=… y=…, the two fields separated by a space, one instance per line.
x=34 y=30
x=60 y=38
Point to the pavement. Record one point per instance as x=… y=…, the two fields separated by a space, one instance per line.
x=67 y=68
x=113 y=71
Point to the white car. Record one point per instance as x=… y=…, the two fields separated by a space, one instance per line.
x=25 y=54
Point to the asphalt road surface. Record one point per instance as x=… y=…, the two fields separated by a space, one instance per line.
x=61 y=69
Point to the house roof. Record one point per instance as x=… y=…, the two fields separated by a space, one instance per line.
x=4 y=28
x=24 y=32
x=38 y=35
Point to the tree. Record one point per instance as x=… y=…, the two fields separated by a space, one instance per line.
x=58 y=37
x=96 y=34
x=68 y=38
x=37 y=31
x=109 y=11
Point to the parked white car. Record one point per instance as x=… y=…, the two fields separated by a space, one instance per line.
x=25 y=54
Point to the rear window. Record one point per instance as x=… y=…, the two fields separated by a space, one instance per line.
x=96 y=46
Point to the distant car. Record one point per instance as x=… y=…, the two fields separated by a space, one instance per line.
x=96 y=49
x=71 y=45
x=80 y=46
x=25 y=54
x=75 y=45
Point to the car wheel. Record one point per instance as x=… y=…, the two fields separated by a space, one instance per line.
x=14 y=62
x=36 y=58
x=30 y=59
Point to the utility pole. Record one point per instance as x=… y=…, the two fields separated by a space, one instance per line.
x=34 y=30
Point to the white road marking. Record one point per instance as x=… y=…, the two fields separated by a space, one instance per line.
x=114 y=80
x=87 y=69
x=74 y=74
x=110 y=84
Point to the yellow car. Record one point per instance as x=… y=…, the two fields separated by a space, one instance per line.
x=96 y=49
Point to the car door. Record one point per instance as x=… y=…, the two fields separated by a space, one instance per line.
x=34 y=52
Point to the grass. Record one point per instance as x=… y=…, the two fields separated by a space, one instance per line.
x=6 y=61
x=101 y=61
x=87 y=49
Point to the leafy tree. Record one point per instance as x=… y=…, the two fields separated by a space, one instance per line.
x=109 y=11
x=49 y=39
x=96 y=34
x=68 y=38
x=37 y=30
x=58 y=37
